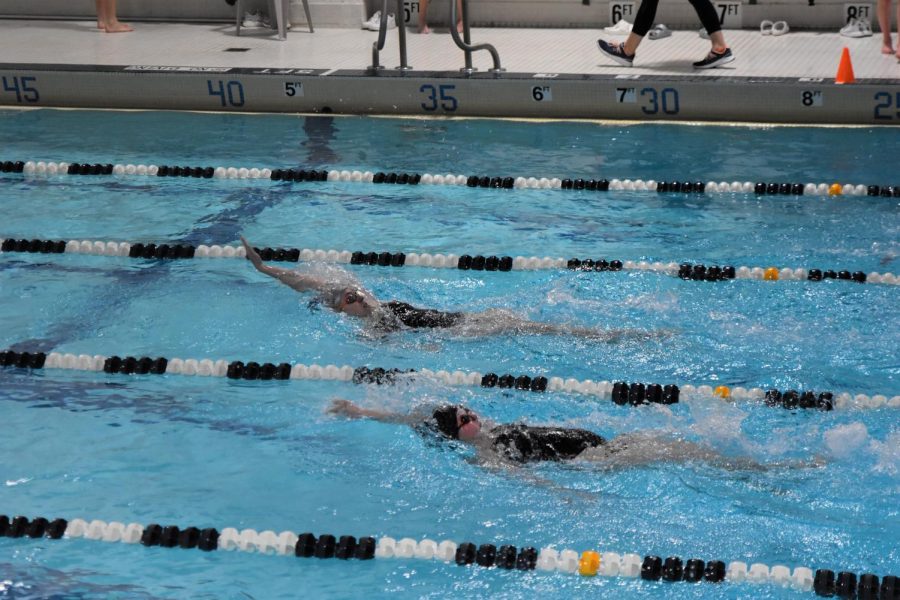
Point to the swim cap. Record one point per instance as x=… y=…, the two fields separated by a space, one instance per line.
x=335 y=297
x=445 y=418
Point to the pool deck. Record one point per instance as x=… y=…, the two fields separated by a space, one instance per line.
x=549 y=73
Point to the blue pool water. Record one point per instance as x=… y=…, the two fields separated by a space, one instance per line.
x=212 y=452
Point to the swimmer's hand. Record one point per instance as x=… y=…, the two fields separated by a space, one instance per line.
x=252 y=255
x=345 y=408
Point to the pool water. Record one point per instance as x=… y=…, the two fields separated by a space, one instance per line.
x=213 y=452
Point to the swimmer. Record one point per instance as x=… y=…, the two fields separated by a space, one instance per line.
x=515 y=444
x=343 y=294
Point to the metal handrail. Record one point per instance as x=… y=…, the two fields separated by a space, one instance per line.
x=466 y=46
x=378 y=45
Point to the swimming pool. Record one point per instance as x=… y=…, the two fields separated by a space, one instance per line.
x=217 y=452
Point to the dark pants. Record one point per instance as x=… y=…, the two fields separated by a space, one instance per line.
x=647 y=12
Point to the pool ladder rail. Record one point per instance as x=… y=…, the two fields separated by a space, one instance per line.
x=463 y=44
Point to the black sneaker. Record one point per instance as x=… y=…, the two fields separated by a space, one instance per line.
x=715 y=59
x=616 y=52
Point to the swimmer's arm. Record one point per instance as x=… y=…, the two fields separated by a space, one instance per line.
x=289 y=277
x=495 y=464
x=354 y=411
x=499 y=466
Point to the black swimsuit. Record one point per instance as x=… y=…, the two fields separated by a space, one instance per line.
x=521 y=443
x=411 y=316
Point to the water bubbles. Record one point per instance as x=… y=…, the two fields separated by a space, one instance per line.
x=844 y=441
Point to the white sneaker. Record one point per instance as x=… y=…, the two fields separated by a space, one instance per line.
x=374 y=24
x=623 y=27
x=251 y=20
x=857 y=28
x=267 y=23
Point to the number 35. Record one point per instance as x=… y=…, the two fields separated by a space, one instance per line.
x=438 y=96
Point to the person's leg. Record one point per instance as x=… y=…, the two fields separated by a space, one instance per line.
x=101 y=14
x=497 y=321
x=107 y=19
x=423 y=13
x=632 y=42
x=710 y=20
x=884 y=23
x=651 y=447
x=643 y=21
x=718 y=41
x=898 y=30
x=459 y=24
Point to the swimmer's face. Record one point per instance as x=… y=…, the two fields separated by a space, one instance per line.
x=469 y=424
x=355 y=303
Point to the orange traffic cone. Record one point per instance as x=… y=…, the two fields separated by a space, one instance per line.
x=845 y=69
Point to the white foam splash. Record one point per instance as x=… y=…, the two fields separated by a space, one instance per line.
x=333 y=275
x=845 y=440
x=665 y=303
x=719 y=424
x=887 y=453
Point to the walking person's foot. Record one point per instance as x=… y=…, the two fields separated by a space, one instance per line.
x=715 y=58
x=616 y=52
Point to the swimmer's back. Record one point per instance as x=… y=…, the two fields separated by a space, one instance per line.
x=521 y=443
x=419 y=318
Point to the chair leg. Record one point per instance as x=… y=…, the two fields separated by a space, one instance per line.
x=279 y=19
x=308 y=18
